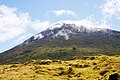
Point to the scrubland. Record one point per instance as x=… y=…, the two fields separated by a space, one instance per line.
x=100 y=67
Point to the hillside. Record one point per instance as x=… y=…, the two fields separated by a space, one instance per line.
x=86 y=68
x=65 y=41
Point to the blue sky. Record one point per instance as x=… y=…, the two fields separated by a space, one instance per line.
x=20 y=19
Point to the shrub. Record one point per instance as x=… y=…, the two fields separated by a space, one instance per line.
x=61 y=68
x=44 y=62
x=103 y=72
x=57 y=61
x=79 y=65
x=74 y=48
x=114 y=76
x=92 y=58
x=67 y=72
x=13 y=66
x=86 y=65
x=78 y=75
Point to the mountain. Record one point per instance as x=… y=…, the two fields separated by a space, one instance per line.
x=63 y=34
x=65 y=40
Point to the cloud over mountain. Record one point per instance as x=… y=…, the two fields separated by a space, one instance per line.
x=12 y=23
x=40 y=25
x=64 y=12
x=111 y=8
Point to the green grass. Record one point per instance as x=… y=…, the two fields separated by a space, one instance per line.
x=53 y=53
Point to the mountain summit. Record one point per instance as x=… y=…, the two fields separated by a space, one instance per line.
x=65 y=40
x=66 y=29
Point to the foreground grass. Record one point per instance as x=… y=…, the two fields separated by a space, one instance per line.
x=86 y=68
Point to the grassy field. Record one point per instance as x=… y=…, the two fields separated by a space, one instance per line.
x=86 y=68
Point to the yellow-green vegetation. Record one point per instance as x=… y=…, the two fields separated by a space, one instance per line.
x=86 y=68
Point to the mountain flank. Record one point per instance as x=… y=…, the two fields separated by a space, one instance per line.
x=65 y=41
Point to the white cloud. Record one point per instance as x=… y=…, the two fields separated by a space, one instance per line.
x=111 y=8
x=88 y=22
x=40 y=26
x=84 y=22
x=12 y=25
x=64 y=12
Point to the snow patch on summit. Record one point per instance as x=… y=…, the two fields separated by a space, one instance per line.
x=38 y=36
x=60 y=33
x=56 y=25
x=64 y=33
x=85 y=22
